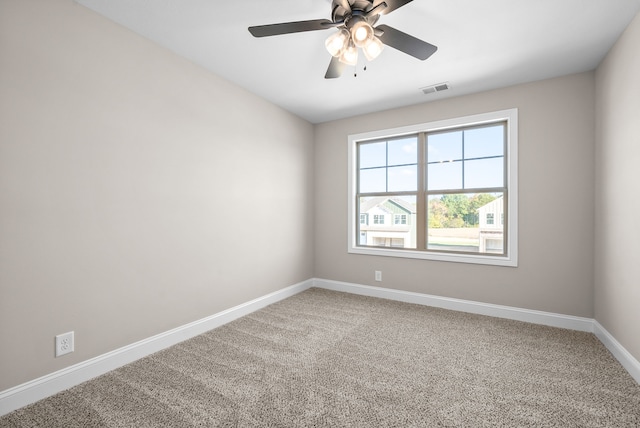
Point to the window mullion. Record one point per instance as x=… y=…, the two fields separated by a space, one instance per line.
x=463 y=160
x=386 y=169
x=421 y=202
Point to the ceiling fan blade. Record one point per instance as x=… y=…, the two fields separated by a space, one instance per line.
x=391 y=5
x=376 y=10
x=335 y=68
x=290 y=27
x=405 y=43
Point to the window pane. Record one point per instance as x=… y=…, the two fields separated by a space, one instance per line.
x=484 y=142
x=373 y=154
x=373 y=180
x=444 y=147
x=442 y=176
x=403 y=178
x=392 y=221
x=403 y=152
x=465 y=222
x=484 y=173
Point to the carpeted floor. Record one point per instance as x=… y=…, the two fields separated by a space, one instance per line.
x=328 y=359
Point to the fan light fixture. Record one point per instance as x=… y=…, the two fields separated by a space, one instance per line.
x=350 y=55
x=361 y=32
x=344 y=43
x=337 y=42
x=373 y=49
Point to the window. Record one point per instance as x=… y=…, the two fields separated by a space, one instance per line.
x=446 y=183
x=400 y=219
x=364 y=219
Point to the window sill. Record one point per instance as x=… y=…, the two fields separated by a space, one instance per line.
x=508 y=261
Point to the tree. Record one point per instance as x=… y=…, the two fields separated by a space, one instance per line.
x=437 y=213
x=457 y=210
x=480 y=199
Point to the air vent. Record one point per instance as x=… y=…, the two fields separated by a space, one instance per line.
x=435 y=88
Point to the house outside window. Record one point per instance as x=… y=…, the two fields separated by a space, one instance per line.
x=443 y=184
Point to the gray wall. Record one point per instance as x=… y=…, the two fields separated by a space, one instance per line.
x=617 y=280
x=556 y=199
x=138 y=192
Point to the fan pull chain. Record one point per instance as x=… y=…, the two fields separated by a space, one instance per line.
x=355 y=71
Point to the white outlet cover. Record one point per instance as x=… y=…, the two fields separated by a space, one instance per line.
x=64 y=344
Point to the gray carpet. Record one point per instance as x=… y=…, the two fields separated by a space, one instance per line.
x=328 y=359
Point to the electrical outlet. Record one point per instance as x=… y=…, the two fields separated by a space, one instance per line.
x=64 y=344
x=378 y=275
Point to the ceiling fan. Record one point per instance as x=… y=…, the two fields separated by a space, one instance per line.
x=354 y=20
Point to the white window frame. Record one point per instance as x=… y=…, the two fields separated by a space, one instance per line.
x=511 y=257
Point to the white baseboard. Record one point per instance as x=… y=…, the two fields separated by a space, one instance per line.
x=30 y=392
x=619 y=352
x=527 y=315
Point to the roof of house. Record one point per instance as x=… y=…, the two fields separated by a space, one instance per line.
x=389 y=204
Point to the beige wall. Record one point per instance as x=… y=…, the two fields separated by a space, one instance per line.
x=138 y=192
x=617 y=280
x=556 y=157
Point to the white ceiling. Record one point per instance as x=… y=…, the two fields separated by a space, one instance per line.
x=481 y=45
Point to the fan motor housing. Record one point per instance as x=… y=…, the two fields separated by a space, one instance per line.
x=358 y=7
